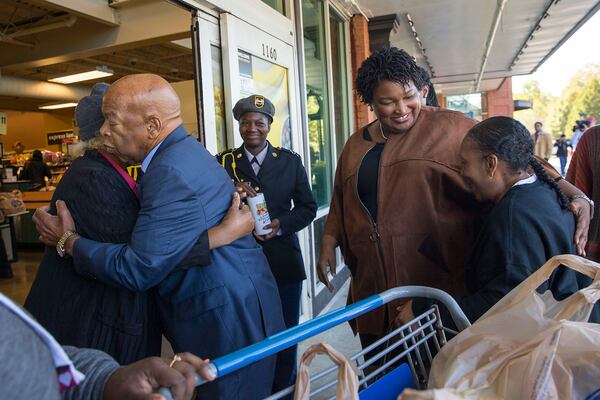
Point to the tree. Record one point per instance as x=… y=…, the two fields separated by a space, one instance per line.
x=542 y=103
x=581 y=95
x=559 y=114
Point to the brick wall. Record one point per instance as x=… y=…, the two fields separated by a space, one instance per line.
x=500 y=101
x=359 y=42
x=441 y=100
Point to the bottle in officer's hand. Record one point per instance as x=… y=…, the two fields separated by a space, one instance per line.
x=258 y=207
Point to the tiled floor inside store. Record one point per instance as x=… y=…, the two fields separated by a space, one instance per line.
x=24 y=270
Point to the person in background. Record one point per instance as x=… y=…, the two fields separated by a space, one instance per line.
x=584 y=173
x=562 y=152
x=209 y=310
x=105 y=202
x=35 y=366
x=578 y=130
x=515 y=239
x=401 y=212
x=278 y=173
x=429 y=97
x=543 y=142
x=35 y=170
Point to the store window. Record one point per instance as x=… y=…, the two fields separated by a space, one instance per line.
x=469 y=104
x=278 y=5
x=219 y=97
x=339 y=72
x=258 y=76
x=317 y=101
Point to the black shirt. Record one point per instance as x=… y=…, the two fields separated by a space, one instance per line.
x=368 y=177
x=561 y=148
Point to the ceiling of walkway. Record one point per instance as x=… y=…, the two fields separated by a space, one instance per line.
x=41 y=39
x=454 y=34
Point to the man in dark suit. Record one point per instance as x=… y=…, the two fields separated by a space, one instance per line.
x=211 y=310
x=278 y=173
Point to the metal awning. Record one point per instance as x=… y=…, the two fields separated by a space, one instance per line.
x=455 y=34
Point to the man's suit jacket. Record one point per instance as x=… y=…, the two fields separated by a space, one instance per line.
x=209 y=310
x=281 y=178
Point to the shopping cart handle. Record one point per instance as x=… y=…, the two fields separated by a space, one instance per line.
x=458 y=316
x=166 y=392
x=280 y=341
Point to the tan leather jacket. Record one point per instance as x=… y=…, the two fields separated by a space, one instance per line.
x=426 y=216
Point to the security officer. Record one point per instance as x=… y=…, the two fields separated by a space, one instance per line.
x=278 y=173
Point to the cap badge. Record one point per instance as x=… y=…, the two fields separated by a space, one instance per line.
x=259 y=101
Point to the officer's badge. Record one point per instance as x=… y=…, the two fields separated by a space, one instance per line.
x=259 y=101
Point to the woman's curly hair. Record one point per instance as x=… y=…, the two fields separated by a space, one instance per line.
x=511 y=142
x=387 y=64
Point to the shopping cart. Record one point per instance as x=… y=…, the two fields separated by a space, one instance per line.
x=399 y=359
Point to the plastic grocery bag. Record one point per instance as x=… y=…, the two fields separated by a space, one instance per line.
x=528 y=345
x=12 y=202
x=347 y=385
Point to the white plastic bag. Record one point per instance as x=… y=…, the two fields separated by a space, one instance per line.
x=527 y=346
x=347 y=385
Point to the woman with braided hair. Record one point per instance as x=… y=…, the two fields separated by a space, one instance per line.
x=530 y=220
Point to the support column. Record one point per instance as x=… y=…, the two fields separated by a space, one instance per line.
x=359 y=40
x=379 y=31
x=499 y=101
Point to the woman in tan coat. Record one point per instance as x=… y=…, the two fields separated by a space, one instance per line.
x=400 y=211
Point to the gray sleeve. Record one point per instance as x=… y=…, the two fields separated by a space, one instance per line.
x=97 y=367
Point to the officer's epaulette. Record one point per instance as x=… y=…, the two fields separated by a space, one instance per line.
x=288 y=151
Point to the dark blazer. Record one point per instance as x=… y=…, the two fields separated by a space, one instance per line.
x=282 y=178
x=82 y=312
x=209 y=311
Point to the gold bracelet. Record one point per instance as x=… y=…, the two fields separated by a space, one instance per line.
x=60 y=246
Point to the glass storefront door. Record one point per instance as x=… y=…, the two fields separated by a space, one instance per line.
x=210 y=68
x=259 y=63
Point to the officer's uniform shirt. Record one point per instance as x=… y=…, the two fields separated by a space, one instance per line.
x=256 y=161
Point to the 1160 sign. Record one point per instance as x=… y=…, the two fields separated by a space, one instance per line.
x=269 y=52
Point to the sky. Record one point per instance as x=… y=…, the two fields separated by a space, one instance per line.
x=574 y=54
